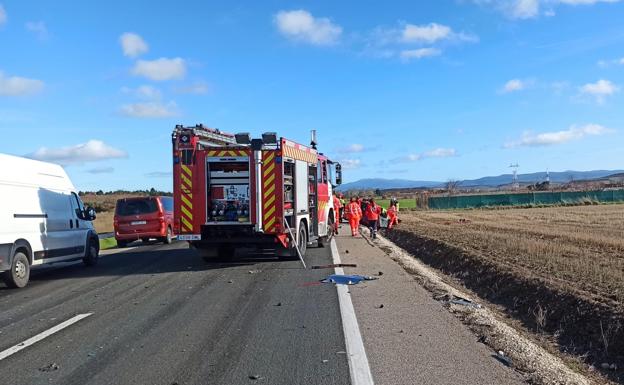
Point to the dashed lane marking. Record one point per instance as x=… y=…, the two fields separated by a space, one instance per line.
x=23 y=345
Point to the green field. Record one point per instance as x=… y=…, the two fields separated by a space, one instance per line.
x=403 y=203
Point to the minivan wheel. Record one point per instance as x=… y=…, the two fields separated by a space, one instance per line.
x=91 y=258
x=19 y=274
x=169 y=237
x=122 y=244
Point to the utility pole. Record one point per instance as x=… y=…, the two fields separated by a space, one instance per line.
x=514 y=182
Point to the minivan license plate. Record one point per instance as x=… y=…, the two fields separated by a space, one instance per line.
x=134 y=223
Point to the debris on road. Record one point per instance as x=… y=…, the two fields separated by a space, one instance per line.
x=254 y=377
x=380 y=306
x=334 y=265
x=502 y=358
x=278 y=304
x=49 y=368
x=230 y=281
x=380 y=273
x=347 y=279
x=465 y=302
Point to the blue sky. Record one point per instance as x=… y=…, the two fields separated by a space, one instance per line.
x=436 y=90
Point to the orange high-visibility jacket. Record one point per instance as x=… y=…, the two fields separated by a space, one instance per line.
x=372 y=211
x=354 y=210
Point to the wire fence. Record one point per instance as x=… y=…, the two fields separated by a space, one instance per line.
x=522 y=199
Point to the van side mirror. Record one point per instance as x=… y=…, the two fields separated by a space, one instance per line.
x=89 y=214
x=338 y=174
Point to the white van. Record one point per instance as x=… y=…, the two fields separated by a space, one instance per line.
x=42 y=219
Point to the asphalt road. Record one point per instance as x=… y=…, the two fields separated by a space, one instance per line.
x=161 y=315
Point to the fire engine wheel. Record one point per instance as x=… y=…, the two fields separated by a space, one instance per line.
x=322 y=241
x=302 y=241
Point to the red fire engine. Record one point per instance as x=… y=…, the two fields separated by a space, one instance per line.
x=232 y=191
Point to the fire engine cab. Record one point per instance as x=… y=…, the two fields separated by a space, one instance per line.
x=234 y=191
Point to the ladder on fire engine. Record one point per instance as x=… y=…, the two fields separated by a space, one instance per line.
x=210 y=137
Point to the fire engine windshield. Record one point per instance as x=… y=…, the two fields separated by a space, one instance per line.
x=228 y=200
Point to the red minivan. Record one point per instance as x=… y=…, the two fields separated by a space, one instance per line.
x=143 y=218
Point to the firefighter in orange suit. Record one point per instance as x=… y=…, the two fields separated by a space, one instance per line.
x=393 y=215
x=372 y=216
x=354 y=214
x=337 y=207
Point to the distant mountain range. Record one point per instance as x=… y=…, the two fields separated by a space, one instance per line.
x=488 y=181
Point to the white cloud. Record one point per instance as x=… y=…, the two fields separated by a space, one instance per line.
x=18 y=86
x=159 y=174
x=608 y=63
x=599 y=90
x=419 y=53
x=154 y=109
x=144 y=92
x=132 y=44
x=3 y=15
x=435 y=153
x=161 y=69
x=101 y=170
x=352 y=148
x=514 y=85
x=38 y=28
x=91 y=151
x=195 y=88
x=586 y=2
x=557 y=137
x=429 y=33
x=440 y=153
x=528 y=9
x=432 y=33
x=350 y=164
x=300 y=25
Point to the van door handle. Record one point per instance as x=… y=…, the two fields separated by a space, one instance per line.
x=77 y=223
x=71 y=224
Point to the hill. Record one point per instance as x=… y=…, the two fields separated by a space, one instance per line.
x=488 y=181
x=374 y=183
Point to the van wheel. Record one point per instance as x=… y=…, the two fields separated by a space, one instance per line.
x=122 y=244
x=92 y=257
x=19 y=274
x=167 y=239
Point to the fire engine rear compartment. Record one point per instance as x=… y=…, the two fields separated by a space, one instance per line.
x=288 y=192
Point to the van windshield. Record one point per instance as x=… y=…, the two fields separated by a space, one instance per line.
x=136 y=207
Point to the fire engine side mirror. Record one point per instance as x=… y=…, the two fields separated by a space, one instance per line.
x=338 y=174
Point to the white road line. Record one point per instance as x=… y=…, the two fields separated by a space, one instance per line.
x=358 y=362
x=23 y=345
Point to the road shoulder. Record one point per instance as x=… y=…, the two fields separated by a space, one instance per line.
x=412 y=338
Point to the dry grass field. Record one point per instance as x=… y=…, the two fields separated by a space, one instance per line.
x=582 y=246
x=559 y=271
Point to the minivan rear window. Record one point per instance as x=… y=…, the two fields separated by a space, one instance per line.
x=167 y=203
x=136 y=206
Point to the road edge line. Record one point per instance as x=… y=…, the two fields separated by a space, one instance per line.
x=359 y=367
x=46 y=333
